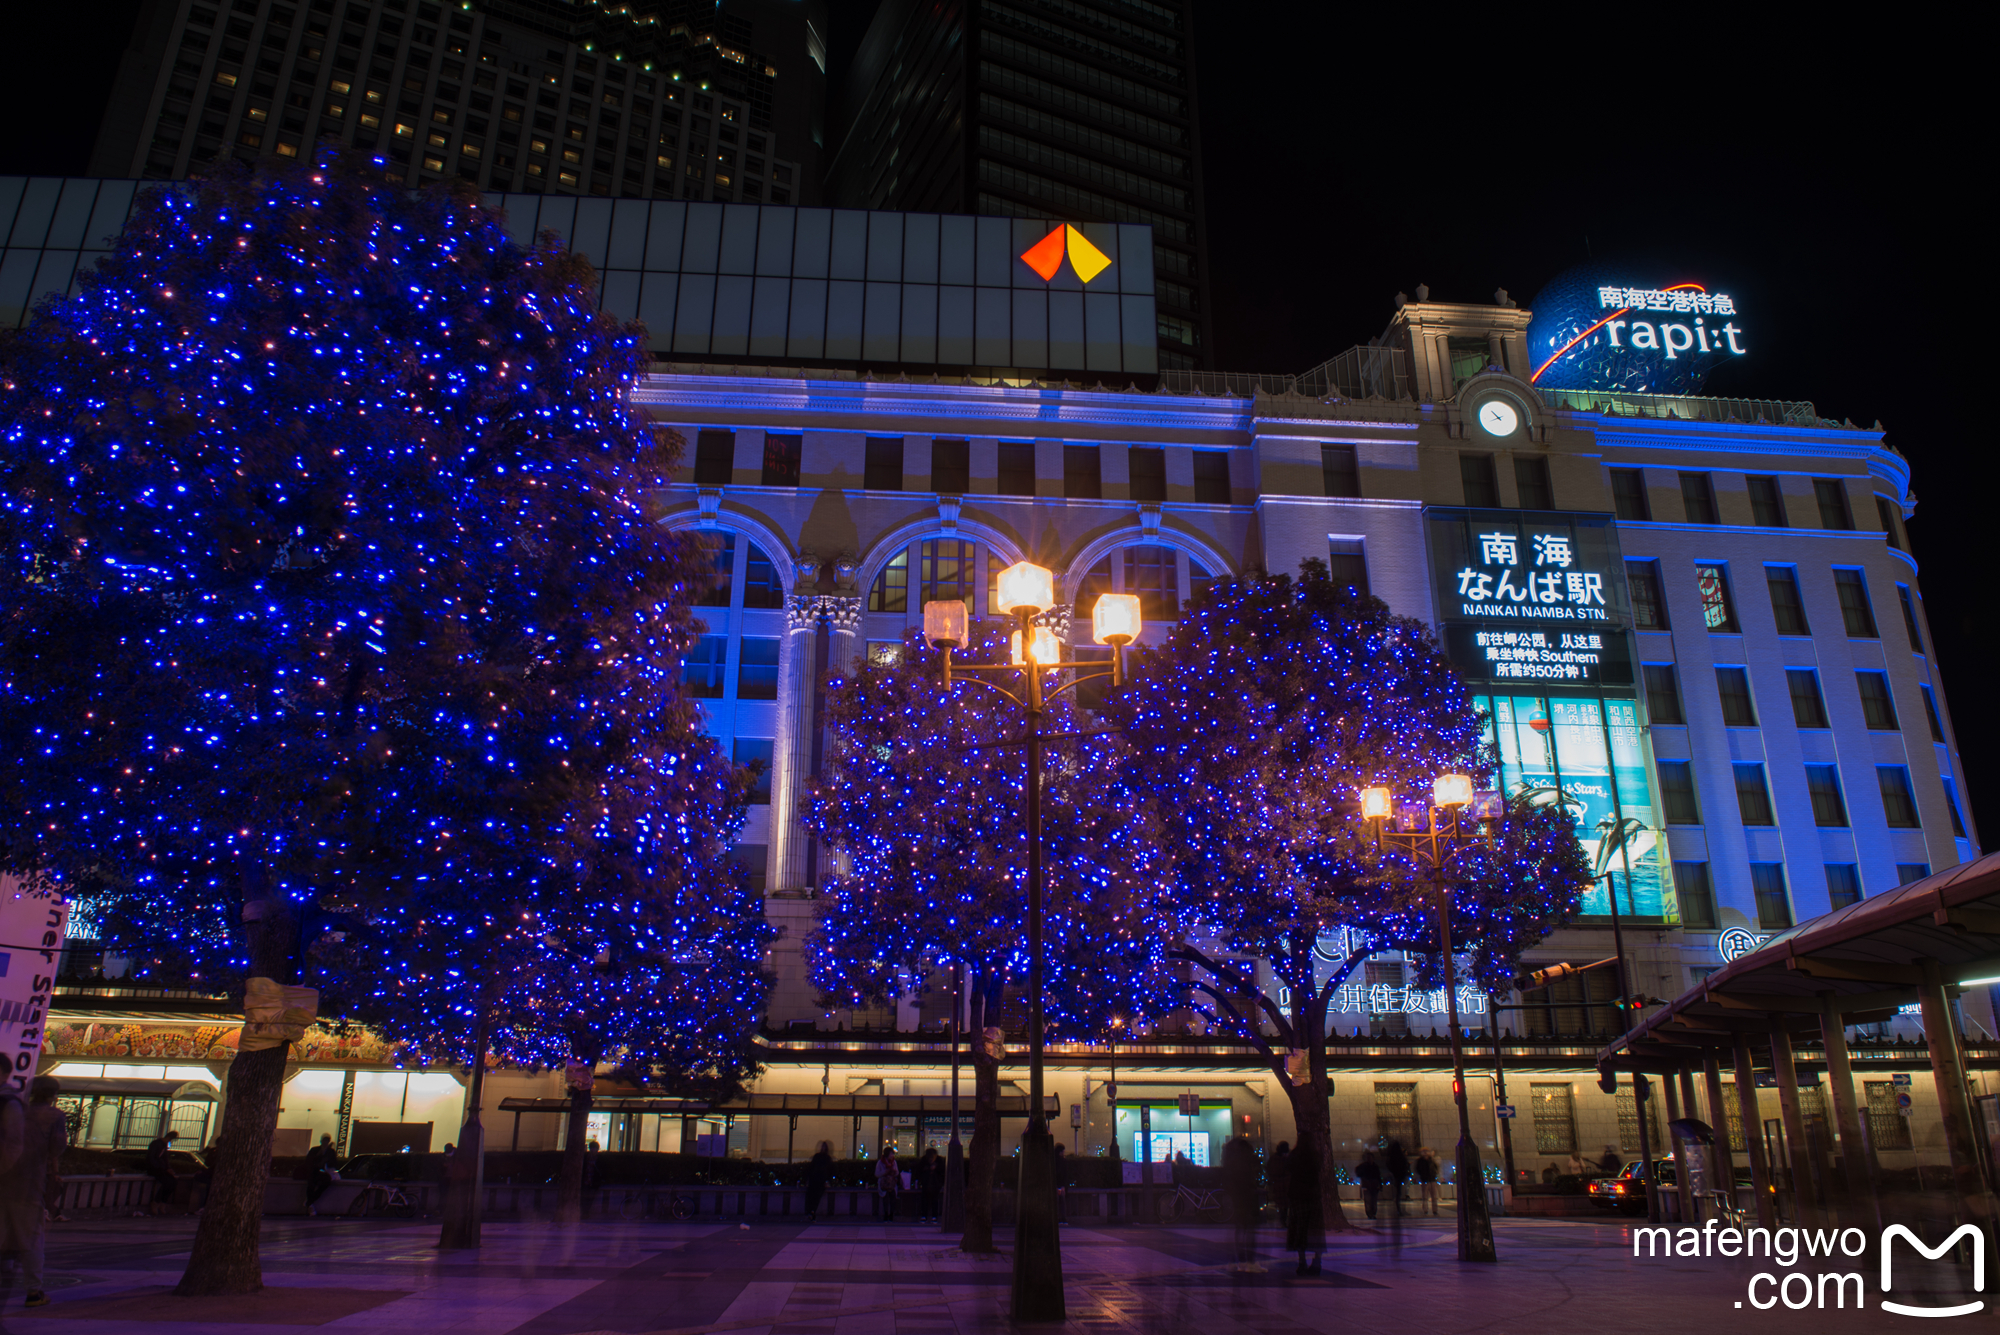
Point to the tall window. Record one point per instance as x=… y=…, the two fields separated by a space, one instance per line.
x=1774 y=904
x=1753 y=795
x=1898 y=802
x=1787 y=608
x=1555 y=1118
x=882 y=469
x=1482 y=484
x=1808 y=708
x=1951 y=806
x=1910 y=618
x=1698 y=496
x=1396 y=1112
x=948 y=572
x=1017 y=468
x=1150 y=573
x=755 y=751
x=1649 y=608
x=714 y=458
x=1931 y=713
x=1348 y=563
x=1855 y=612
x=1579 y=1005
x=1878 y=707
x=1095 y=583
x=1628 y=1120
x=1677 y=792
x=1083 y=477
x=1531 y=482
x=1628 y=494
x=1663 y=695
x=757 y=668
x=763 y=583
x=1718 y=609
x=1767 y=502
x=1211 y=477
x=1843 y=884
x=1340 y=471
x=1831 y=493
x=1147 y=468
x=781 y=461
x=891 y=590
x=1888 y=1129
x=722 y=569
x=951 y=467
x=1733 y=685
x=1829 y=809
x=702 y=670
x=1892 y=521
x=1696 y=894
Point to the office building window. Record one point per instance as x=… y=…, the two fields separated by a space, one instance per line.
x=1698 y=495
x=1808 y=708
x=1767 y=502
x=1892 y=521
x=1910 y=618
x=1348 y=563
x=1878 y=707
x=1017 y=469
x=714 y=458
x=1211 y=477
x=1718 y=609
x=1337 y=466
x=1628 y=494
x=1787 y=608
x=1396 y=1111
x=1753 y=795
x=1082 y=474
x=1482 y=483
x=1843 y=884
x=1696 y=894
x=763 y=583
x=1774 y=905
x=1628 y=1118
x=1829 y=809
x=1531 y=483
x=702 y=670
x=1150 y=573
x=1831 y=493
x=1906 y=872
x=1888 y=1129
x=1677 y=792
x=1663 y=694
x=1733 y=685
x=1931 y=713
x=1649 y=608
x=882 y=469
x=781 y=461
x=891 y=590
x=947 y=571
x=755 y=751
x=757 y=668
x=1855 y=612
x=1555 y=1117
x=1951 y=805
x=1578 y=1005
x=1148 y=471
x=722 y=568
x=951 y=467
x=1898 y=802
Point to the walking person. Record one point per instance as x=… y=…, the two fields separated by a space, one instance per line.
x=1369 y=1174
x=1239 y=1189
x=32 y=1139
x=1278 y=1174
x=888 y=1181
x=1059 y=1170
x=1426 y=1169
x=1397 y=1165
x=159 y=1164
x=930 y=1185
x=1306 y=1233
x=321 y=1167
x=818 y=1170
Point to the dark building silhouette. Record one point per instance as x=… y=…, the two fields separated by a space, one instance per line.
x=1073 y=109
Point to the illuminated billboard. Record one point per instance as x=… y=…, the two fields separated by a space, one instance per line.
x=1596 y=327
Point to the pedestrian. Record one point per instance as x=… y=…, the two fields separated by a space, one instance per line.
x=1577 y=1167
x=1396 y=1166
x=818 y=1170
x=1609 y=1163
x=888 y=1181
x=1059 y=1170
x=322 y=1171
x=159 y=1164
x=32 y=1139
x=48 y=1123
x=1307 y=1231
x=1277 y=1172
x=1369 y=1174
x=1239 y=1189
x=1426 y=1169
x=590 y=1149
x=1550 y=1174
x=930 y=1181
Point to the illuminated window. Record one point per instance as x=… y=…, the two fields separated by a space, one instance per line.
x=404 y=129
x=335 y=110
x=948 y=571
x=255 y=114
x=702 y=669
x=437 y=139
x=441 y=115
x=757 y=668
x=722 y=550
x=567 y=178
x=1095 y=584
x=764 y=584
x=1396 y=1112
x=341 y=86
x=1151 y=573
x=1555 y=1118
x=1718 y=610
x=468 y=150
x=891 y=590
x=434 y=164
x=370 y=121
x=572 y=155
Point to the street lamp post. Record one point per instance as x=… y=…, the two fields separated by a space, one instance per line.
x=1025 y=592
x=1433 y=843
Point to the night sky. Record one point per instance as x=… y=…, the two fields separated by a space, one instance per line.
x=1826 y=178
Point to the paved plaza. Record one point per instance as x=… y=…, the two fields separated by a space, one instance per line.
x=113 y=1277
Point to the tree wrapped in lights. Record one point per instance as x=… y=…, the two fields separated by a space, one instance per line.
x=924 y=805
x=1271 y=705
x=336 y=619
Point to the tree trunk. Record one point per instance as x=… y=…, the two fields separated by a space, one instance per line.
x=569 y=1183
x=983 y=1157
x=225 y=1256
x=1309 y=1110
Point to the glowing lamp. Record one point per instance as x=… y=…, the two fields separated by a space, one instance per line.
x=1115 y=619
x=1452 y=790
x=1375 y=804
x=944 y=622
x=1044 y=646
x=1027 y=585
x=1488 y=805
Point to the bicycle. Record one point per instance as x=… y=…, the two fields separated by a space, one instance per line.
x=1186 y=1202
x=381 y=1198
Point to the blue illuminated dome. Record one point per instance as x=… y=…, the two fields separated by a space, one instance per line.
x=1605 y=327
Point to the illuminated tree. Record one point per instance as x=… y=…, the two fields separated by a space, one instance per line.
x=334 y=606
x=924 y=802
x=1271 y=705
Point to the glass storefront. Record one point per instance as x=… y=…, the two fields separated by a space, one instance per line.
x=1168 y=1131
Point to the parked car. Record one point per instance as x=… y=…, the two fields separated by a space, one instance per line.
x=1625 y=1191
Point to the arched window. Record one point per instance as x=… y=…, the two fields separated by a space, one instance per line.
x=943 y=569
x=891 y=590
x=1157 y=574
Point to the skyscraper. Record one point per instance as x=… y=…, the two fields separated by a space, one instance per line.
x=1079 y=109
x=681 y=99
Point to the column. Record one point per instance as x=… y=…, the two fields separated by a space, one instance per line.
x=1948 y=1072
x=1721 y=1159
x=843 y=618
x=791 y=750
x=1804 y=1196
x=1683 y=1213
x=1857 y=1156
x=1753 y=1133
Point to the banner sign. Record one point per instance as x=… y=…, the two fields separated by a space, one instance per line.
x=1593 y=328
x=33 y=925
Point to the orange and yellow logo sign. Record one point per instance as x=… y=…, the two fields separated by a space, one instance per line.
x=1046 y=255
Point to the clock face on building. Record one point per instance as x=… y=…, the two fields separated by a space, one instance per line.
x=1497 y=418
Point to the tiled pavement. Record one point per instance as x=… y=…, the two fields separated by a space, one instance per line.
x=114 y=1278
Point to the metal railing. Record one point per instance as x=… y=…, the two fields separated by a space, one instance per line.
x=1687 y=407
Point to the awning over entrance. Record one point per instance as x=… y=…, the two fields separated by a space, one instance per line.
x=792 y=1105
x=107 y=1086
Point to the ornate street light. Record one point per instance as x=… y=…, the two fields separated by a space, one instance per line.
x=1025 y=591
x=1455 y=819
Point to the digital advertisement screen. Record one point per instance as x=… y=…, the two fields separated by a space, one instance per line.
x=1602 y=328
